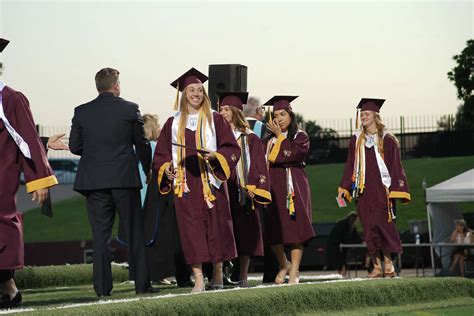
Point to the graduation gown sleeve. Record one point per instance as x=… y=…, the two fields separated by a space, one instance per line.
x=399 y=187
x=346 y=181
x=162 y=158
x=285 y=151
x=258 y=182
x=228 y=151
x=37 y=171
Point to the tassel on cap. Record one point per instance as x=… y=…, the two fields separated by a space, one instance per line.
x=175 y=108
x=357 y=119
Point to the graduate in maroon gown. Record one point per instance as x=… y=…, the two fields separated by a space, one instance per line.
x=21 y=151
x=194 y=156
x=249 y=186
x=289 y=220
x=374 y=176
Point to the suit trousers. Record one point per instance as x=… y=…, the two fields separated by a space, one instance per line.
x=6 y=275
x=101 y=208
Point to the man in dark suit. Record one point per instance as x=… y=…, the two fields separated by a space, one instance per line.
x=104 y=132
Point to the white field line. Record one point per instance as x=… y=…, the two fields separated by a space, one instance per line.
x=308 y=277
x=15 y=311
x=127 y=300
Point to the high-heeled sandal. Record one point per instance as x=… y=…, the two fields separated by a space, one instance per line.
x=294 y=279
x=216 y=286
x=377 y=271
x=244 y=283
x=389 y=273
x=280 y=278
x=388 y=269
x=375 y=274
x=198 y=289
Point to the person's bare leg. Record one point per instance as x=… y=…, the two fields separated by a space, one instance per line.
x=217 y=274
x=389 y=270
x=377 y=272
x=343 y=271
x=296 y=255
x=244 y=269
x=455 y=261
x=9 y=288
x=461 y=264
x=198 y=278
x=279 y=251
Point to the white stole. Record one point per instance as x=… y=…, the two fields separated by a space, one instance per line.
x=22 y=145
x=209 y=133
x=371 y=141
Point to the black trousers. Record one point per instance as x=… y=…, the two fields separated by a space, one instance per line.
x=6 y=275
x=101 y=209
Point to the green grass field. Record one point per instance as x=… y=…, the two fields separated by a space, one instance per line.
x=411 y=296
x=70 y=216
x=451 y=307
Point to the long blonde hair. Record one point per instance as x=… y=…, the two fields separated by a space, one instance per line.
x=238 y=119
x=151 y=126
x=381 y=129
x=183 y=108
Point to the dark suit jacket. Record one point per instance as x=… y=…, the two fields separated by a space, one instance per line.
x=47 y=207
x=103 y=133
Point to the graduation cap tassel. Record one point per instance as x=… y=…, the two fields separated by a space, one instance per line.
x=357 y=119
x=175 y=108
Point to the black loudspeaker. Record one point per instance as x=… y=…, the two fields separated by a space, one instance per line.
x=226 y=78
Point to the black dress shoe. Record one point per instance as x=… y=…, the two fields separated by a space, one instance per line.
x=150 y=290
x=188 y=283
x=7 y=303
x=103 y=295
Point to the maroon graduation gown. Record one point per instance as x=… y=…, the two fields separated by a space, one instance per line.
x=206 y=234
x=247 y=225
x=372 y=206
x=38 y=175
x=281 y=227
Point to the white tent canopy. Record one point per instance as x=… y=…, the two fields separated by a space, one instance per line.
x=443 y=210
x=457 y=189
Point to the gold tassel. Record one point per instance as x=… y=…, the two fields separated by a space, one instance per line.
x=357 y=119
x=175 y=108
x=389 y=205
x=291 y=207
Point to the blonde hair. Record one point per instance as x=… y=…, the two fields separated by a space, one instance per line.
x=381 y=129
x=238 y=119
x=151 y=126
x=183 y=108
x=463 y=224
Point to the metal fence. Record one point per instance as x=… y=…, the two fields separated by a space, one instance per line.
x=397 y=125
x=412 y=145
x=50 y=130
x=419 y=136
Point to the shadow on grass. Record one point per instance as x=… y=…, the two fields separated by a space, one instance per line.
x=48 y=290
x=56 y=297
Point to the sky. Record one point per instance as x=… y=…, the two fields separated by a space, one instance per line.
x=330 y=53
